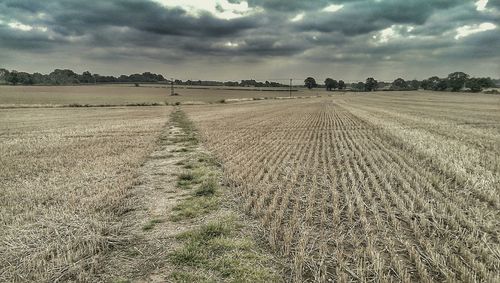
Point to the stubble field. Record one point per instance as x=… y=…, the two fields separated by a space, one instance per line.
x=368 y=187
x=65 y=175
x=386 y=186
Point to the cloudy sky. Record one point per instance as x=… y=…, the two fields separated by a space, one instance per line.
x=233 y=39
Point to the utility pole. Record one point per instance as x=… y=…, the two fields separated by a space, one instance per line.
x=172 y=86
x=290 y=87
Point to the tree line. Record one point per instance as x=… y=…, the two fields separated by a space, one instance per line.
x=69 y=77
x=456 y=81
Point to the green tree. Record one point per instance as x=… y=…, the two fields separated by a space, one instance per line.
x=330 y=84
x=441 y=85
x=360 y=86
x=399 y=84
x=414 y=84
x=478 y=84
x=86 y=77
x=473 y=84
x=456 y=80
x=431 y=83
x=12 y=78
x=341 y=84
x=310 y=82
x=371 y=84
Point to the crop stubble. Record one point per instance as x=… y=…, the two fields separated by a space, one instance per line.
x=357 y=188
x=64 y=185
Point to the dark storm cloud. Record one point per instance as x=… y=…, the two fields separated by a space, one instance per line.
x=371 y=16
x=113 y=30
x=68 y=17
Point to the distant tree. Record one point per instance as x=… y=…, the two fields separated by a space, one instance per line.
x=24 y=78
x=414 y=84
x=486 y=82
x=473 y=84
x=310 y=83
x=456 y=81
x=341 y=85
x=425 y=84
x=399 y=84
x=12 y=78
x=360 y=86
x=478 y=84
x=371 y=84
x=86 y=78
x=63 y=77
x=432 y=83
x=441 y=85
x=4 y=73
x=383 y=85
x=330 y=84
x=40 y=79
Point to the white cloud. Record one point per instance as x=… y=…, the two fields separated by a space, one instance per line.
x=467 y=30
x=385 y=35
x=222 y=9
x=333 y=8
x=231 y=44
x=481 y=5
x=297 y=18
x=20 y=26
x=24 y=27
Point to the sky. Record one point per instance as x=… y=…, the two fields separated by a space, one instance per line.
x=259 y=39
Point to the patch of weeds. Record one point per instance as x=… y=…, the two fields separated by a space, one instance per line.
x=151 y=224
x=121 y=280
x=218 y=247
x=207 y=188
x=193 y=207
x=188 y=178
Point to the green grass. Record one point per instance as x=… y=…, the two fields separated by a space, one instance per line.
x=193 y=207
x=189 y=135
x=220 y=247
x=190 y=178
x=151 y=224
x=207 y=188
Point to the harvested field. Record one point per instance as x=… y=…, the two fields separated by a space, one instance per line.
x=65 y=176
x=30 y=96
x=369 y=187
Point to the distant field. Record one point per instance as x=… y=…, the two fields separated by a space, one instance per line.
x=127 y=94
x=64 y=178
x=368 y=187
